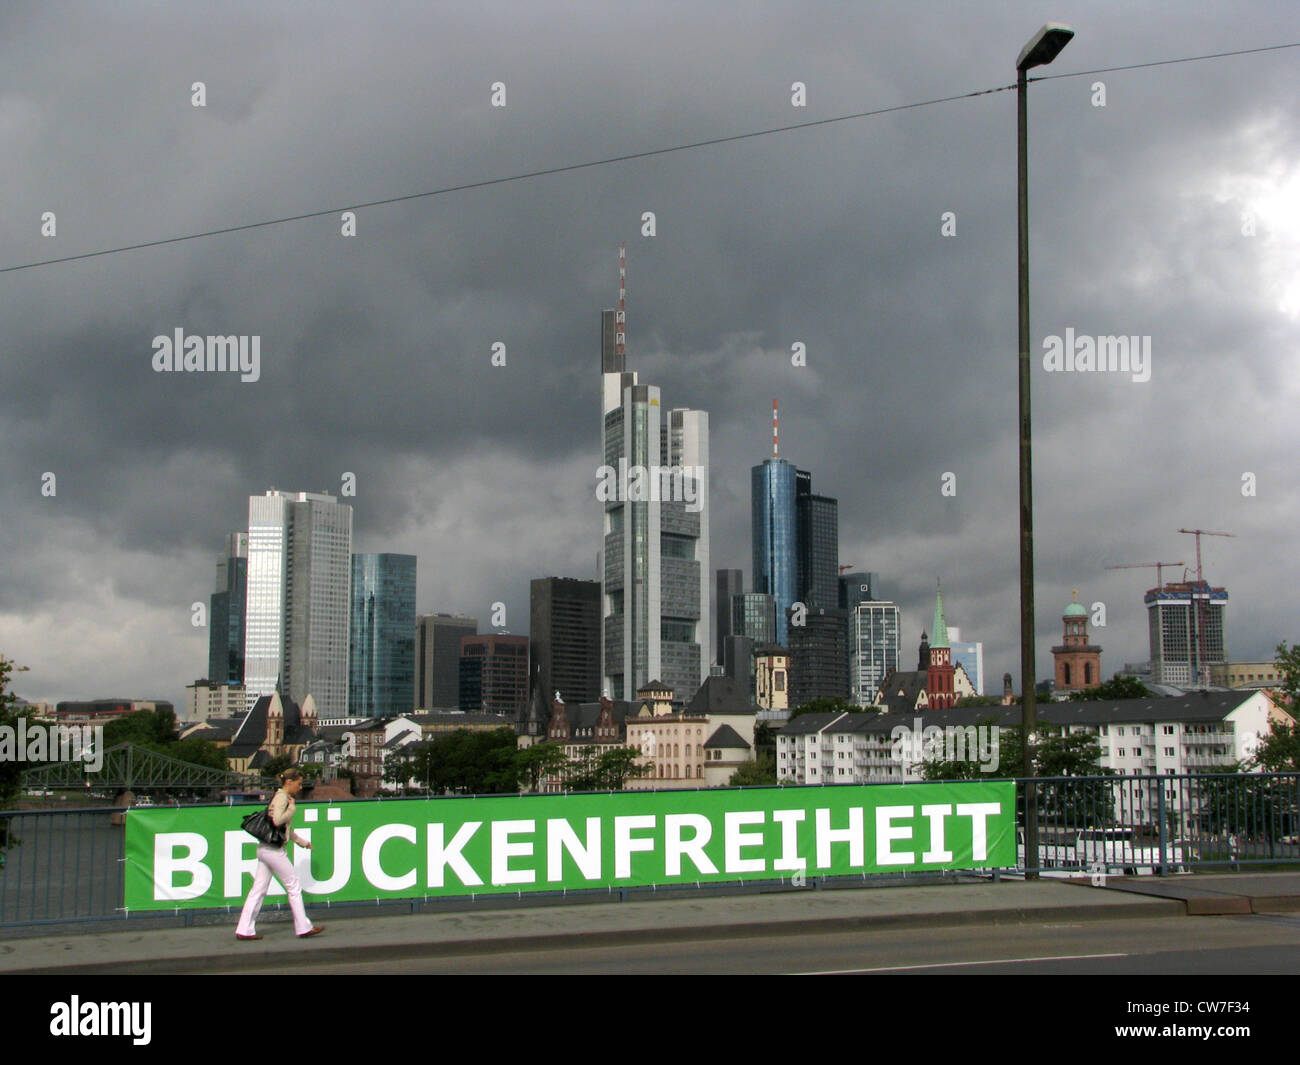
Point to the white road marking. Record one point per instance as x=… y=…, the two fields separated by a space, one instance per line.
x=954 y=964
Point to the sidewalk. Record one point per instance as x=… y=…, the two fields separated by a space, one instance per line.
x=1218 y=893
x=194 y=949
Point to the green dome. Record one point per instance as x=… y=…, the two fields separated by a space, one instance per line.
x=1076 y=610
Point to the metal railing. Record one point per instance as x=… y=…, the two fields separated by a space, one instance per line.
x=1162 y=824
x=68 y=865
x=61 y=865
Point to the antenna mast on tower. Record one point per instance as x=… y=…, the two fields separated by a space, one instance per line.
x=775 y=451
x=620 y=314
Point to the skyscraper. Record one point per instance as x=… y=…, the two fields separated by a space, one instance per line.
x=565 y=635
x=794 y=538
x=730 y=582
x=381 y=655
x=1186 y=624
x=754 y=615
x=819 y=656
x=775 y=537
x=494 y=674
x=437 y=659
x=226 y=613
x=873 y=647
x=297 y=618
x=860 y=587
x=655 y=577
x=817 y=518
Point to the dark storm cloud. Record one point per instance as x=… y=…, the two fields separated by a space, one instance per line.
x=375 y=350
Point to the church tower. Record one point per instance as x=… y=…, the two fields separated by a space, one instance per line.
x=1078 y=662
x=939 y=690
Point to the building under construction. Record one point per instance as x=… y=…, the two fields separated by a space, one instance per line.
x=1187 y=632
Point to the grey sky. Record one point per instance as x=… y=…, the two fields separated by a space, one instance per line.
x=375 y=349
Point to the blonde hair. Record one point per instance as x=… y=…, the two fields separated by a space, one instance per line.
x=290 y=774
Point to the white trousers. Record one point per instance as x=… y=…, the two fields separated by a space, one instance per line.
x=273 y=860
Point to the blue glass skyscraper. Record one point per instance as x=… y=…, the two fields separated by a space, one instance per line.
x=775 y=537
x=381 y=655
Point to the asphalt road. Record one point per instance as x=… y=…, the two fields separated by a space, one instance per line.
x=1263 y=944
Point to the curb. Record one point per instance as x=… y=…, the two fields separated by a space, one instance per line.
x=406 y=950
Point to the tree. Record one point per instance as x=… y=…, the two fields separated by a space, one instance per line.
x=403 y=765
x=981 y=700
x=1288 y=662
x=1115 y=689
x=538 y=761
x=1279 y=751
x=752 y=774
x=198 y=752
x=1010 y=759
x=465 y=761
x=10 y=771
x=154 y=729
x=605 y=770
x=1075 y=754
x=831 y=706
x=275 y=766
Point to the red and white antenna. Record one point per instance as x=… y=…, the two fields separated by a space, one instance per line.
x=620 y=315
x=775 y=450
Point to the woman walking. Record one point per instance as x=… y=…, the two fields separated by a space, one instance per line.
x=272 y=860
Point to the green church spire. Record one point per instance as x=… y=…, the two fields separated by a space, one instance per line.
x=939 y=630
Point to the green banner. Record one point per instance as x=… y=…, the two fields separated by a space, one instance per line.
x=417 y=848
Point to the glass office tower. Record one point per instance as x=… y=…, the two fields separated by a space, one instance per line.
x=381 y=655
x=775 y=537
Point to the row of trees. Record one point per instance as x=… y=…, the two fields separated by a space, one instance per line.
x=489 y=763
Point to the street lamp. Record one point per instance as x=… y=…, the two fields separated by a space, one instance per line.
x=1042 y=48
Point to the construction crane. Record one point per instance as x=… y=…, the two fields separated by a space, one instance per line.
x=848 y=567
x=1158 y=566
x=1199 y=601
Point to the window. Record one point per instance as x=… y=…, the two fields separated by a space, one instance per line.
x=1169 y=753
x=1120 y=752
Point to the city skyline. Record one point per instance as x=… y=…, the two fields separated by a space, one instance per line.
x=376 y=351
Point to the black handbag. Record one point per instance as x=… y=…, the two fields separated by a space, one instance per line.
x=260 y=826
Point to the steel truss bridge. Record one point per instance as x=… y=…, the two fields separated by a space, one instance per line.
x=130 y=767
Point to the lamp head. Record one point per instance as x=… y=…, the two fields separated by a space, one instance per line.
x=1044 y=46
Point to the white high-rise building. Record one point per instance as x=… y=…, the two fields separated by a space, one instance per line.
x=873 y=648
x=655 y=577
x=299 y=581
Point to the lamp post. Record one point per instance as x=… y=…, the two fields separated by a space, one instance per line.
x=1042 y=48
